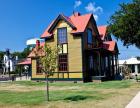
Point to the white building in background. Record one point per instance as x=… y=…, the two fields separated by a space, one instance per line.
x=9 y=62
x=133 y=63
x=32 y=42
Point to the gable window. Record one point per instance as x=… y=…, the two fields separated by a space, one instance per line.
x=62 y=35
x=90 y=37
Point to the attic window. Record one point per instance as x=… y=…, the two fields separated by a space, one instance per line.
x=62 y=35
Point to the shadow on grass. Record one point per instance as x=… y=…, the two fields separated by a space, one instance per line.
x=77 y=98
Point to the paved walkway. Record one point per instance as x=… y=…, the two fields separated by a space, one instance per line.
x=23 y=78
x=135 y=102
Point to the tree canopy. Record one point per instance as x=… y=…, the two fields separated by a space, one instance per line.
x=22 y=54
x=124 y=24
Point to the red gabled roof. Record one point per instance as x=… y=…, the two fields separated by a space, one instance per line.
x=46 y=33
x=109 y=45
x=102 y=31
x=78 y=21
x=26 y=61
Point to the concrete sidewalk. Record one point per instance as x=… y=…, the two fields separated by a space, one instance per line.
x=135 y=102
x=23 y=78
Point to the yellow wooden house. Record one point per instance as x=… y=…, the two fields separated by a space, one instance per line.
x=88 y=51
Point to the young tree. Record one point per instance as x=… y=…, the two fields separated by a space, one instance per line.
x=125 y=23
x=48 y=62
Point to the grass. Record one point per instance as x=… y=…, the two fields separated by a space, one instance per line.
x=101 y=95
x=107 y=84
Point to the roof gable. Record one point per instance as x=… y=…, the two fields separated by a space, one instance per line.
x=77 y=22
x=102 y=31
x=37 y=51
x=61 y=17
x=80 y=22
x=110 y=46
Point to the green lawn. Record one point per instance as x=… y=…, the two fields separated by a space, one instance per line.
x=28 y=93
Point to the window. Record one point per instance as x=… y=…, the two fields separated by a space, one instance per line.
x=63 y=62
x=63 y=53
x=90 y=38
x=133 y=68
x=63 y=48
x=62 y=35
x=39 y=67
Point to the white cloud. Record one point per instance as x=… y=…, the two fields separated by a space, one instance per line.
x=95 y=17
x=95 y=10
x=91 y=8
x=77 y=3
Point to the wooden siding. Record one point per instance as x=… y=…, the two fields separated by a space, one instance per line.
x=74 y=54
x=34 y=70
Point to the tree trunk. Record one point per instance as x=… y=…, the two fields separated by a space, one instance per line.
x=47 y=87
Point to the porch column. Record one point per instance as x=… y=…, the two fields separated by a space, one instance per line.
x=136 y=69
x=115 y=64
x=112 y=65
x=99 y=67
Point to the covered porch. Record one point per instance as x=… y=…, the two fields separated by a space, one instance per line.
x=100 y=64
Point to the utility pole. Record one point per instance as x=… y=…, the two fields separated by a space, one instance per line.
x=9 y=68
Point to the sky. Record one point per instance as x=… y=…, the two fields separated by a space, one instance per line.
x=21 y=20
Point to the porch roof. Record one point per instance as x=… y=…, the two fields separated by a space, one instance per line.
x=26 y=61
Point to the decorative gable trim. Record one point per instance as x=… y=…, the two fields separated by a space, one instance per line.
x=61 y=17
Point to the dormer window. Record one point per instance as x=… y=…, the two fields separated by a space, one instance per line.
x=62 y=35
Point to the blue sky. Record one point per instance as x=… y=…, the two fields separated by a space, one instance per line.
x=24 y=19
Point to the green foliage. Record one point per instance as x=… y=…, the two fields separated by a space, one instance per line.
x=17 y=70
x=26 y=52
x=22 y=54
x=1 y=58
x=125 y=23
x=1 y=55
x=48 y=61
x=138 y=58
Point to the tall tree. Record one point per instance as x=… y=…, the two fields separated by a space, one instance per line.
x=125 y=23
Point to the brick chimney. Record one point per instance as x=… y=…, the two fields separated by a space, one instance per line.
x=76 y=14
x=37 y=44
